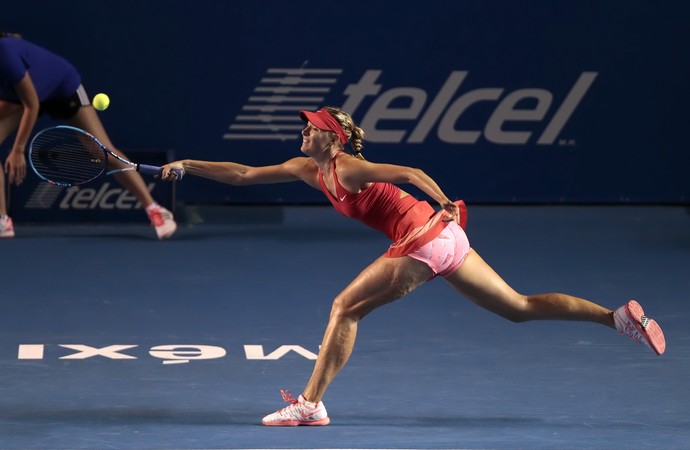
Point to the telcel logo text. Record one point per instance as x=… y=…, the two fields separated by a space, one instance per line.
x=446 y=109
x=106 y=197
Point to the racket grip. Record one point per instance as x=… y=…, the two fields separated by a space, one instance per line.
x=155 y=170
x=149 y=170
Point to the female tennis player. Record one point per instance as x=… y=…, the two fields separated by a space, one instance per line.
x=425 y=244
x=34 y=81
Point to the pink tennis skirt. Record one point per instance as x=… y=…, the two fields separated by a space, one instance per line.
x=446 y=252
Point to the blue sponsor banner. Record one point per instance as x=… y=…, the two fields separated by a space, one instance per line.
x=499 y=101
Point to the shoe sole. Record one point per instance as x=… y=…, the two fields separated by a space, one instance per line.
x=296 y=423
x=652 y=331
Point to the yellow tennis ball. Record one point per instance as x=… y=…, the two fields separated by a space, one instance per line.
x=101 y=102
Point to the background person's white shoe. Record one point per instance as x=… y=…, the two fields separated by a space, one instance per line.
x=162 y=220
x=6 y=227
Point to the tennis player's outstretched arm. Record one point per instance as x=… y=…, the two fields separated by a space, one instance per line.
x=237 y=174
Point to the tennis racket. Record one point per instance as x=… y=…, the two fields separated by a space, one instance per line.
x=69 y=156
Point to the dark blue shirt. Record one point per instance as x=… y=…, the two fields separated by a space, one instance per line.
x=53 y=76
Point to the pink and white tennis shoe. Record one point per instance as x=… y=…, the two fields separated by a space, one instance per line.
x=299 y=412
x=6 y=227
x=631 y=321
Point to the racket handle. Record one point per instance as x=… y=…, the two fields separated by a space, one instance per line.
x=149 y=170
x=155 y=170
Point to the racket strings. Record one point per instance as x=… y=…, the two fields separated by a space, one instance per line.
x=67 y=157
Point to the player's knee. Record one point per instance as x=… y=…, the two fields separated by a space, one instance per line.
x=349 y=306
x=342 y=309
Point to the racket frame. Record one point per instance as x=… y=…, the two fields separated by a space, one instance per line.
x=142 y=168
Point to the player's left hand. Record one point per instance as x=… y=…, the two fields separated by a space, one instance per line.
x=453 y=212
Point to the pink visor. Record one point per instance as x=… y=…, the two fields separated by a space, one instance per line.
x=323 y=120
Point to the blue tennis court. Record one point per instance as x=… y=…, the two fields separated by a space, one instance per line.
x=112 y=339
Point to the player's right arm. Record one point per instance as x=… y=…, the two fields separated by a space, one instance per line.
x=295 y=169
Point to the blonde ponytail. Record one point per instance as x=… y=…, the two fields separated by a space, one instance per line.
x=355 y=135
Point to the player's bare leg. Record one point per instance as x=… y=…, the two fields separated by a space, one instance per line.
x=477 y=281
x=384 y=281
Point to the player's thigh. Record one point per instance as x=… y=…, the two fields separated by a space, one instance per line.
x=477 y=281
x=383 y=281
x=87 y=119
